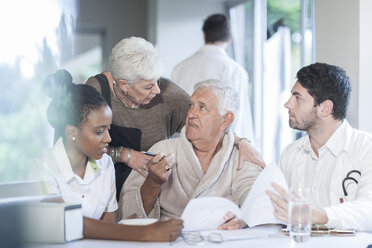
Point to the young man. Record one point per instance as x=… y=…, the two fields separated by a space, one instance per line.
x=334 y=160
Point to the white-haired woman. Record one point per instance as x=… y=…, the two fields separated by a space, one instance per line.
x=146 y=107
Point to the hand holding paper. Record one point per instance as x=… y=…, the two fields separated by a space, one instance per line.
x=257 y=208
x=207 y=213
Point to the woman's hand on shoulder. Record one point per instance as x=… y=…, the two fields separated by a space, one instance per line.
x=247 y=152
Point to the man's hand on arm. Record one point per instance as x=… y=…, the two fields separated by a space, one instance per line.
x=159 y=169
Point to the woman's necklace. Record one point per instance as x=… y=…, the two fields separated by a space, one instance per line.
x=117 y=99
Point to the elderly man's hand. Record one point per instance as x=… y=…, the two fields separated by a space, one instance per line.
x=159 y=168
x=247 y=152
x=232 y=222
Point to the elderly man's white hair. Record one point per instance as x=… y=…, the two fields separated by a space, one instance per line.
x=134 y=59
x=227 y=97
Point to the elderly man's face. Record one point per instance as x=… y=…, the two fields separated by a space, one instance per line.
x=203 y=121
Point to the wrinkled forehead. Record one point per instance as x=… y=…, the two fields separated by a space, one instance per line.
x=206 y=95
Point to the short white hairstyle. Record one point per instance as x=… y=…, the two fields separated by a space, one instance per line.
x=228 y=99
x=134 y=59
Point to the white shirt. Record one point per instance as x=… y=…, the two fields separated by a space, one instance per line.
x=96 y=191
x=212 y=62
x=347 y=149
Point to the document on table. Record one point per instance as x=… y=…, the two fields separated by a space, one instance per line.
x=264 y=231
x=206 y=213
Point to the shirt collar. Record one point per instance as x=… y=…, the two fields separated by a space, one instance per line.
x=64 y=165
x=337 y=143
x=212 y=48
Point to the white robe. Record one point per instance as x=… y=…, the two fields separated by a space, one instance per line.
x=188 y=181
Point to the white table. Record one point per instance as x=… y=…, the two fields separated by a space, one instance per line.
x=361 y=240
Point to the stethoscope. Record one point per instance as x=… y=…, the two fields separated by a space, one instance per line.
x=348 y=177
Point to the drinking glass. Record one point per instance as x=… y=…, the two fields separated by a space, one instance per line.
x=299 y=214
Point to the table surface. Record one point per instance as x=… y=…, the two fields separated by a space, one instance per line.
x=361 y=240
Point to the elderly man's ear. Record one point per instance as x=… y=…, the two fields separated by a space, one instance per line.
x=228 y=120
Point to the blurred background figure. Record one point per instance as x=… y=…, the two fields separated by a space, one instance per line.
x=212 y=62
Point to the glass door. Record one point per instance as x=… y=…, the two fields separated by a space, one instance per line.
x=272 y=40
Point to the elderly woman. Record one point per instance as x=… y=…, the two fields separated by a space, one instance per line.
x=202 y=162
x=146 y=108
x=141 y=115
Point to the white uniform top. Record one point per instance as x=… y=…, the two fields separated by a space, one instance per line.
x=212 y=62
x=347 y=149
x=96 y=191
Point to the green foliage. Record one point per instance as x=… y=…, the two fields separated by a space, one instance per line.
x=289 y=10
x=23 y=123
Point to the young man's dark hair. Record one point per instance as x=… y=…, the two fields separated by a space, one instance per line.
x=216 y=28
x=327 y=82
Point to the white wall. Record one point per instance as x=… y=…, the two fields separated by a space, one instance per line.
x=179 y=28
x=365 y=65
x=336 y=42
x=344 y=38
x=119 y=19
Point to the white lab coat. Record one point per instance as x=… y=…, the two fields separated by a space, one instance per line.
x=352 y=151
x=212 y=62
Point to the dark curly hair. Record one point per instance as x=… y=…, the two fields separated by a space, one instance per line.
x=327 y=82
x=71 y=103
x=216 y=28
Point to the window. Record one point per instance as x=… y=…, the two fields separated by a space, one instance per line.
x=86 y=58
x=273 y=40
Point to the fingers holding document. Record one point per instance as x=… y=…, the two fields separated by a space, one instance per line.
x=232 y=222
x=279 y=199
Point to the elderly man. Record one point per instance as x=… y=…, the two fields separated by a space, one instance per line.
x=201 y=162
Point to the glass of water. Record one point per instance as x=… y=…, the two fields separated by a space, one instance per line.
x=299 y=214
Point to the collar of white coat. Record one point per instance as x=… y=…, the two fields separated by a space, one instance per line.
x=65 y=168
x=212 y=48
x=337 y=143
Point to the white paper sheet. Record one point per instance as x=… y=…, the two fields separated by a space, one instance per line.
x=206 y=213
x=257 y=208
